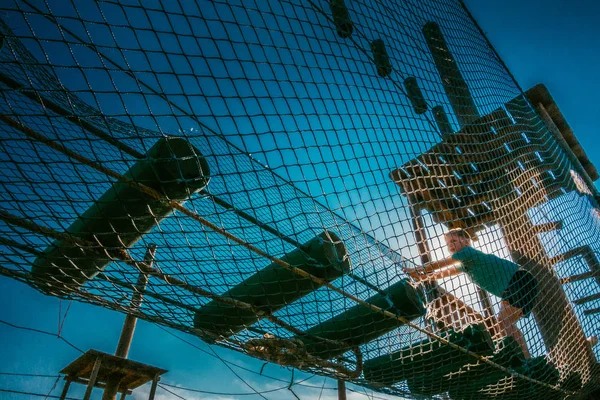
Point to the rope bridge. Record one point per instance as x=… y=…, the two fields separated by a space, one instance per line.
x=287 y=161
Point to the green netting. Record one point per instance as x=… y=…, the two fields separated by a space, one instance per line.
x=289 y=160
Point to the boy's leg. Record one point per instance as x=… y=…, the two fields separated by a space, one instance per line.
x=507 y=321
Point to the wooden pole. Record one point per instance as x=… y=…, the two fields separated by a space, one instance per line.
x=560 y=330
x=463 y=105
x=560 y=140
x=420 y=235
x=153 y=388
x=423 y=246
x=341 y=389
x=63 y=395
x=136 y=302
x=93 y=376
x=454 y=84
x=112 y=385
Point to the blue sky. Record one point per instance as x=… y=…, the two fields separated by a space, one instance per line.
x=540 y=42
x=551 y=42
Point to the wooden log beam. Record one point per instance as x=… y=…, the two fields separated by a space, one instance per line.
x=580 y=277
x=545 y=105
x=592 y=311
x=587 y=299
x=424 y=251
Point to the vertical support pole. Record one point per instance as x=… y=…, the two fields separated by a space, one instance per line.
x=123 y=395
x=88 y=391
x=65 y=390
x=113 y=383
x=136 y=302
x=463 y=105
x=560 y=140
x=153 y=388
x=423 y=246
x=341 y=389
x=419 y=227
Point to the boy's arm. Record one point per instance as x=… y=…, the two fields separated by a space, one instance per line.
x=444 y=273
x=431 y=270
x=437 y=265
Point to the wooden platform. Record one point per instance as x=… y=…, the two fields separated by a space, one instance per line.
x=460 y=180
x=94 y=368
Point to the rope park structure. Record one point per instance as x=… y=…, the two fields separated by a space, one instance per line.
x=259 y=174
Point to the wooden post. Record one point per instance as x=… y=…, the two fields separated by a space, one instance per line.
x=63 y=395
x=153 y=388
x=419 y=227
x=341 y=389
x=93 y=376
x=136 y=302
x=560 y=329
x=113 y=383
x=423 y=246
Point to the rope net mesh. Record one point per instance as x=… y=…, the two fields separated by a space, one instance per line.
x=289 y=160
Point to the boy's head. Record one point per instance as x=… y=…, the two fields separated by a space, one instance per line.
x=457 y=239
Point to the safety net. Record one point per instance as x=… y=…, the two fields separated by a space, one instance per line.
x=278 y=177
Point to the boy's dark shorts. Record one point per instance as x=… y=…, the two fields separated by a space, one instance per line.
x=522 y=291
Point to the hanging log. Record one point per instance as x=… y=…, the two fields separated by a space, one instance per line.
x=341 y=18
x=123 y=214
x=360 y=325
x=441 y=119
x=415 y=95
x=274 y=287
x=424 y=357
x=473 y=376
x=509 y=387
x=381 y=58
x=454 y=84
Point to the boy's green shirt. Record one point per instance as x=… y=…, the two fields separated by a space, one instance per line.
x=488 y=271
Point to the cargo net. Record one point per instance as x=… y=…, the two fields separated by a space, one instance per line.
x=263 y=175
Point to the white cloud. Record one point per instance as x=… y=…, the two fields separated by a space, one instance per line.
x=236 y=386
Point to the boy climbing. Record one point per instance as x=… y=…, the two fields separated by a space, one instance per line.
x=517 y=288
